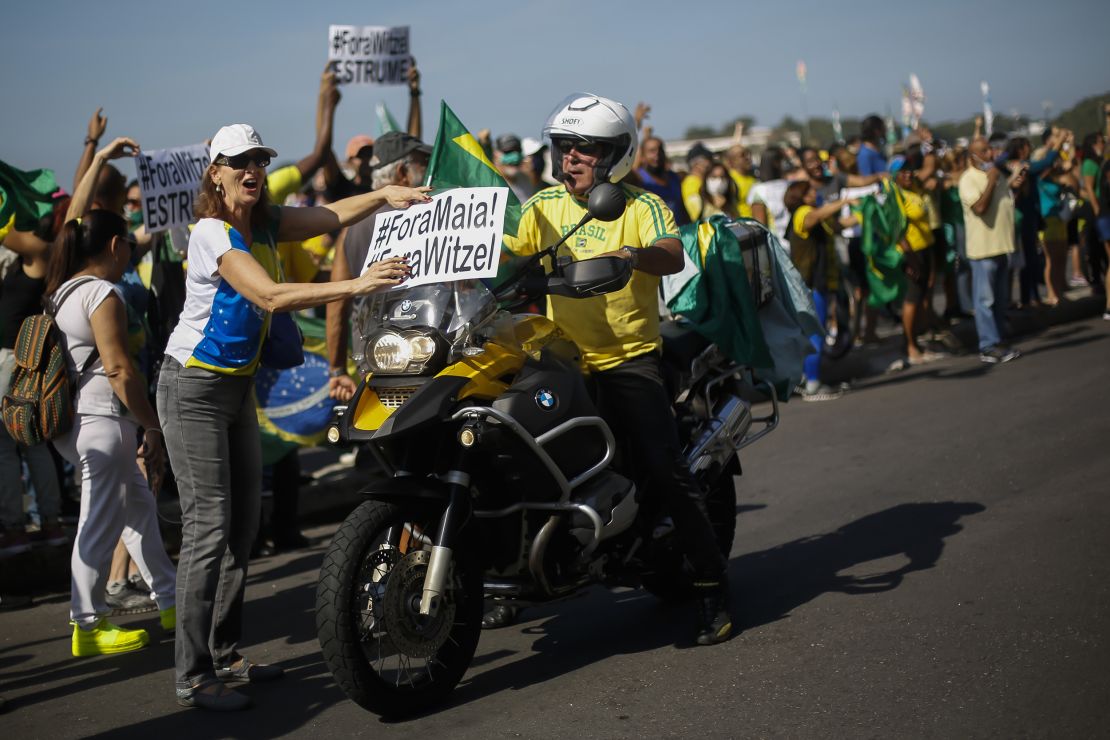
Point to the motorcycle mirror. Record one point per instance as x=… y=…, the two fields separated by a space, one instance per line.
x=592 y=277
x=606 y=202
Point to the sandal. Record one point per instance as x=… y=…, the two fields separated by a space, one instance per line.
x=213 y=695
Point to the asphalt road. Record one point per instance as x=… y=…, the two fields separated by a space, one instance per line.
x=926 y=557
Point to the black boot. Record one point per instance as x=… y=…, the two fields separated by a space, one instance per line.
x=499 y=616
x=715 y=621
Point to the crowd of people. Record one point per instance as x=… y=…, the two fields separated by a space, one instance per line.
x=164 y=389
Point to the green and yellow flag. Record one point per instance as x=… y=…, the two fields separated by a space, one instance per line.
x=458 y=161
x=25 y=197
x=883 y=225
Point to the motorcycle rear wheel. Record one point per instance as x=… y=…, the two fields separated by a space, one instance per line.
x=383 y=654
x=669 y=581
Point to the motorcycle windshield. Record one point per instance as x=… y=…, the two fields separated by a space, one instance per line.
x=445 y=307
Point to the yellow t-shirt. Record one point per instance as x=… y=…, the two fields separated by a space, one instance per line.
x=744 y=183
x=992 y=233
x=691 y=196
x=282 y=183
x=918 y=234
x=615 y=327
x=804 y=254
x=296 y=262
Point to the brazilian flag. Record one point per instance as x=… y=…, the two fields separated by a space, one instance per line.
x=25 y=197
x=883 y=225
x=458 y=161
x=718 y=300
x=293 y=404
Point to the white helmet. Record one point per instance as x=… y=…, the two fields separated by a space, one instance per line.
x=589 y=117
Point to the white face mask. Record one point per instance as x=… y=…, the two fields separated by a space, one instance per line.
x=716 y=186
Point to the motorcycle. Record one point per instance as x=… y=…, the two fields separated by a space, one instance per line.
x=501 y=480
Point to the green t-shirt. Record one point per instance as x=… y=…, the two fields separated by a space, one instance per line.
x=1090 y=169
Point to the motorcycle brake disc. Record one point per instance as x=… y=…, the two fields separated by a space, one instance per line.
x=413 y=634
x=374 y=573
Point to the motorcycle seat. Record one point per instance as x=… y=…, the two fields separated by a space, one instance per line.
x=681 y=344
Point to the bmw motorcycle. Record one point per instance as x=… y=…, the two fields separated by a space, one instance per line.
x=502 y=481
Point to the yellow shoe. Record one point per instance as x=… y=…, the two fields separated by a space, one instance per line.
x=106 y=638
x=168 y=618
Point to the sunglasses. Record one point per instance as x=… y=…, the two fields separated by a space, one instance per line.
x=241 y=161
x=585 y=148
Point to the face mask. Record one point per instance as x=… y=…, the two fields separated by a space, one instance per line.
x=716 y=186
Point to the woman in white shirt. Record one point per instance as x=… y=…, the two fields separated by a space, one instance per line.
x=234 y=293
x=111 y=408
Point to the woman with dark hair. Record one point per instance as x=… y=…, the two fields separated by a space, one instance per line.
x=206 y=395
x=810 y=231
x=21 y=296
x=870 y=159
x=719 y=193
x=1028 y=212
x=111 y=407
x=1052 y=184
x=765 y=197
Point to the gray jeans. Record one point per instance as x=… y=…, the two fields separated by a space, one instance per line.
x=212 y=438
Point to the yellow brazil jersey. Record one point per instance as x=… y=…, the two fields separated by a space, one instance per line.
x=691 y=196
x=744 y=184
x=918 y=234
x=615 y=327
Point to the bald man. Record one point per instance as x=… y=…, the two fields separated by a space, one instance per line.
x=988 y=209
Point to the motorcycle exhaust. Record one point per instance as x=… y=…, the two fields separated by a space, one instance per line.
x=725 y=430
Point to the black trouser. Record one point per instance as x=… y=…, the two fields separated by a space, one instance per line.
x=634 y=403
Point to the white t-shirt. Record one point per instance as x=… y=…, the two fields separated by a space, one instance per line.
x=770 y=195
x=219 y=329
x=74 y=319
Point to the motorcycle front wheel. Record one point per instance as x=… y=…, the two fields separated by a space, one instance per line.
x=384 y=655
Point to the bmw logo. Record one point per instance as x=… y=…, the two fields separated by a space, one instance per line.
x=545 y=399
x=406 y=306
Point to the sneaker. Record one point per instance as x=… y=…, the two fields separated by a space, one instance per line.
x=715 y=621
x=106 y=638
x=168 y=619
x=822 y=393
x=243 y=670
x=214 y=696
x=126 y=599
x=14 y=542
x=998 y=355
x=1106 y=315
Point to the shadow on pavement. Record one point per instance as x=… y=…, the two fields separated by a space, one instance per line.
x=768 y=585
x=774 y=582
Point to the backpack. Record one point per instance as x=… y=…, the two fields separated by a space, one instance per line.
x=39 y=404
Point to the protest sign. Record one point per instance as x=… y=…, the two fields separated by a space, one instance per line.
x=169 y=180
x=369 y=55
x=457 y=236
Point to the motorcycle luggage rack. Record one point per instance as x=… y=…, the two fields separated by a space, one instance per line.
x=769 y=421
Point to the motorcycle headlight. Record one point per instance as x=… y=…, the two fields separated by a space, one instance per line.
x=393 y=353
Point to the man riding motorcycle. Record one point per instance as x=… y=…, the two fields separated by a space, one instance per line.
x=594 y=140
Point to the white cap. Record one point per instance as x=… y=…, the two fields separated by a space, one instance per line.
x=529 y=146
x=236 y=139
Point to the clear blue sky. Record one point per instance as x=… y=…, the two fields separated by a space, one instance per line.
x=170 y=74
